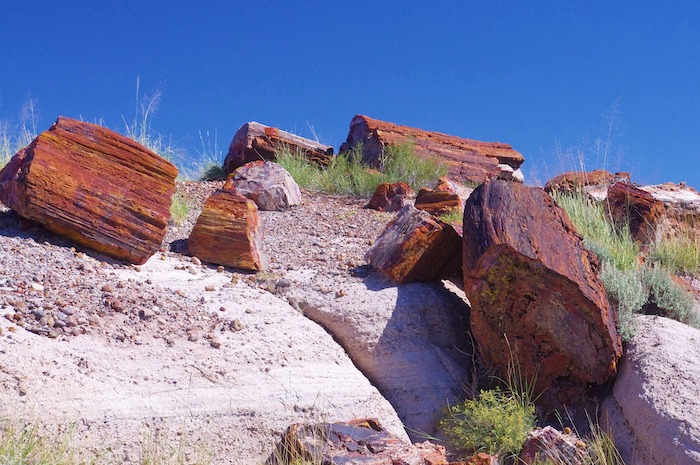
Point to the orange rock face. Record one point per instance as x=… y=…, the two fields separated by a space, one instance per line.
x=529 y=277
x=416 y=247
x=229 y=232
x=469 y=160
x=254 y=141
x=94 y=186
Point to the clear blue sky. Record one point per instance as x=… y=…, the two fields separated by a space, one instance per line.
x=532 y=74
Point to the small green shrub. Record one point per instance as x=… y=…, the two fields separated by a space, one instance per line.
x=496 y=422
x=627 y=291
x=401 y=163
x=454 y=216
x=668 y=297
x=179 y=208
x=25 y=444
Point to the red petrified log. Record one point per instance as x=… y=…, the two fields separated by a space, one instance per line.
x=229 y=232
x=445 y=197
x=468 y=160
x=255 y=141
x=639 y=208
x=93 y=186
x=529 y=277
x=390 y=197
x=575 y=181
x=416 y=247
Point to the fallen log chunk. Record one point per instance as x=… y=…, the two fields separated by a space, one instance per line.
x=93 y=186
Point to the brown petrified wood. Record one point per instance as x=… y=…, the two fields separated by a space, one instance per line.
x=390 y=197
x=576 y=181
x=636 y=207
x=255 y=141
x=534 y=290
x=93 y=186
x=468 y=160
x=229 y=232
x=415 y=246
x=361 y=441
x=446 y=196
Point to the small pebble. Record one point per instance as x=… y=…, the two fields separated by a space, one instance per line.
x=210 y=288
x=215 y=342
x=196 y=261
x=37 y=287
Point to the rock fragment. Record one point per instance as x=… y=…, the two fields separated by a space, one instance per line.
x=267 y=184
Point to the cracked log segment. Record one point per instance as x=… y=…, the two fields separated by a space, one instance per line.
x=415 y=246
x=469 y=161
x=255 y=141
x=229 y=232
x=93 y=186
x=535 y=294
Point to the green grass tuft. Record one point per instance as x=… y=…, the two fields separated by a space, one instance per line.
x=347 y=174
x=668 y=298
x=679 y=254
x=179 y=208
x=627 y=291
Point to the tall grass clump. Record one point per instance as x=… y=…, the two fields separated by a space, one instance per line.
x=209 y=163
x=15 y=138
x=25 y=444
x=610 y=243
x=347 y=174
x=679 y=254
x=626 y=289
x=140 y=129
x=668 y=298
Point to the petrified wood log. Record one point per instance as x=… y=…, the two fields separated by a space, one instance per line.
x=469 y=161
x=530 y=280
x=255 y=141
x=390 y=197
x=93 y=186
x=361 y=441
x=446 y=196
x=415 y=246
x=576 y=181
x=638 y=208
x=229 y=232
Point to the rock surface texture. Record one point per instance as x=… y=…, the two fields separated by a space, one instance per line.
x=361 y=441
x=93 y=186
x=656 y=391
x=267 y=184
x=390 y=197
x=255 y=141
x=550 y=443
x=416 y=247
x=229 y=232
x=528 y=277
x=636 y=207
x=468 y=160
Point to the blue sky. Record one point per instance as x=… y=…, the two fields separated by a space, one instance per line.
x=536 y=75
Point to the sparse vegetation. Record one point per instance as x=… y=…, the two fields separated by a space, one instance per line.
x=454 y=216
x=15 y=138
x=346 y=174
x=632 y=286
x=179 y=208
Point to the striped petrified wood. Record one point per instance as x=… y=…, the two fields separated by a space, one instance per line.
x=94 y=186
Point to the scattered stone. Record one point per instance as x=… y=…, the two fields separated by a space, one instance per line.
x=215 y=342
x=340 y=293
x=146 y=313
x=535 y=293
x=107 y=288
x=229 y=232
x=390 y=197
x=254 y=141
x=357 y=441
x=113 y=195
x=549 y=443
x=236 y=325
x=267 y=184
x=196 y=261
x=416 y=247
x=210 y=288
x=37 y=287
x=468 y=160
